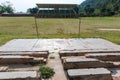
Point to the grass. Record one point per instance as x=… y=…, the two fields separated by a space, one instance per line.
x=24 y=27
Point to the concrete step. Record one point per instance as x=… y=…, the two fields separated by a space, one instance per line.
x=21 y=75
x=32 y=54
x=3 y=68
x=77 y=62
x=41 y=60
x=105 y=56
x=89 y=74
x=113 y=64
x=64 y=53
x=17 y=59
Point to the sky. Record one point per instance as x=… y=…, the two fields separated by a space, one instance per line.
x=23 y=5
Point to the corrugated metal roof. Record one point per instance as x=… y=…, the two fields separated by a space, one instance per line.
x=56 y=5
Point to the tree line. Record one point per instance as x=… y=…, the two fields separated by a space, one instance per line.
x=93 y=8
x=87 y=8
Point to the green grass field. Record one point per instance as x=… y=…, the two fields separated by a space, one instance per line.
x=24 y=27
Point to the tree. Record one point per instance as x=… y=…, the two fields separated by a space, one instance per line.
x=97 y=12
x=89 y=10
x=32 y=10
x=100 y=7
x=1 y=10
x=6 y=8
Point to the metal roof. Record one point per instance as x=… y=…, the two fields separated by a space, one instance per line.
x=56 y=5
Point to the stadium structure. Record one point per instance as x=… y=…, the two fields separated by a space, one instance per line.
x=57 y=10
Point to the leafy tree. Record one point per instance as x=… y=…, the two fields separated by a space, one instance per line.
x=97 y=12
x=89 y=10
x=6 y=8
x=100 y=7
x=32 y=10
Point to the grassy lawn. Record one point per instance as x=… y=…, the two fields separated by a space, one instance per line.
x=24 y=27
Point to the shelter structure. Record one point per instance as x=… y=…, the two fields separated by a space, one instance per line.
x=57 y=10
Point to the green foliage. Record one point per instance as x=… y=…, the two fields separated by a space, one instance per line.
x=100 y=7
x=32 y=10
x=46 y=72
x=89 y=10
x=6 y=8
x=35 y=63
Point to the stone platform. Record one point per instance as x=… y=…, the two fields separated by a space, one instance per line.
x=105 y=56
x=89 y=74
x=76 y=63
x=16 y=59
x=65 y=53
x=24 y=75
x=31 y=54
x=38 y=45
x=65 y=47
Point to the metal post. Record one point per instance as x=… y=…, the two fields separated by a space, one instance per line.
x=80 y=21
x=37 y=32
x=79 y=26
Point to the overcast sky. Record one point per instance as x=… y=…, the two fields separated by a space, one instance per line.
x=23 y=5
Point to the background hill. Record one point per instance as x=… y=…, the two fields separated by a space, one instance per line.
x=100 y=8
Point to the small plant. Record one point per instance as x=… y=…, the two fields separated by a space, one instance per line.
x=46 y=72
x=52 y=57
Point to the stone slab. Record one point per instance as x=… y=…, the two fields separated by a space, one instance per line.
x=77 y=59
x=105 y=56
x=24 y=75
x=76 y=63
x=17 y=59
x=64 y=53
x=89 y=74
x=32 y=54
x=59 y=44
x=8 y=59
x=14 y=57
x=3 y=68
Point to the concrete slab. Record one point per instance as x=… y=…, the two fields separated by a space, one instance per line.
x=105 y=56
x=76 y=63
x=25 y=75
x=77 y=59
x=58 y=44
x=89 y=74
x=65 y=53
x=32 y=54
x=8 y=59
x=17 y=59
x=3 y=68
x=21 y=67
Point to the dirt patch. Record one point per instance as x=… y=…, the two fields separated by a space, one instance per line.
x=105 y=29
